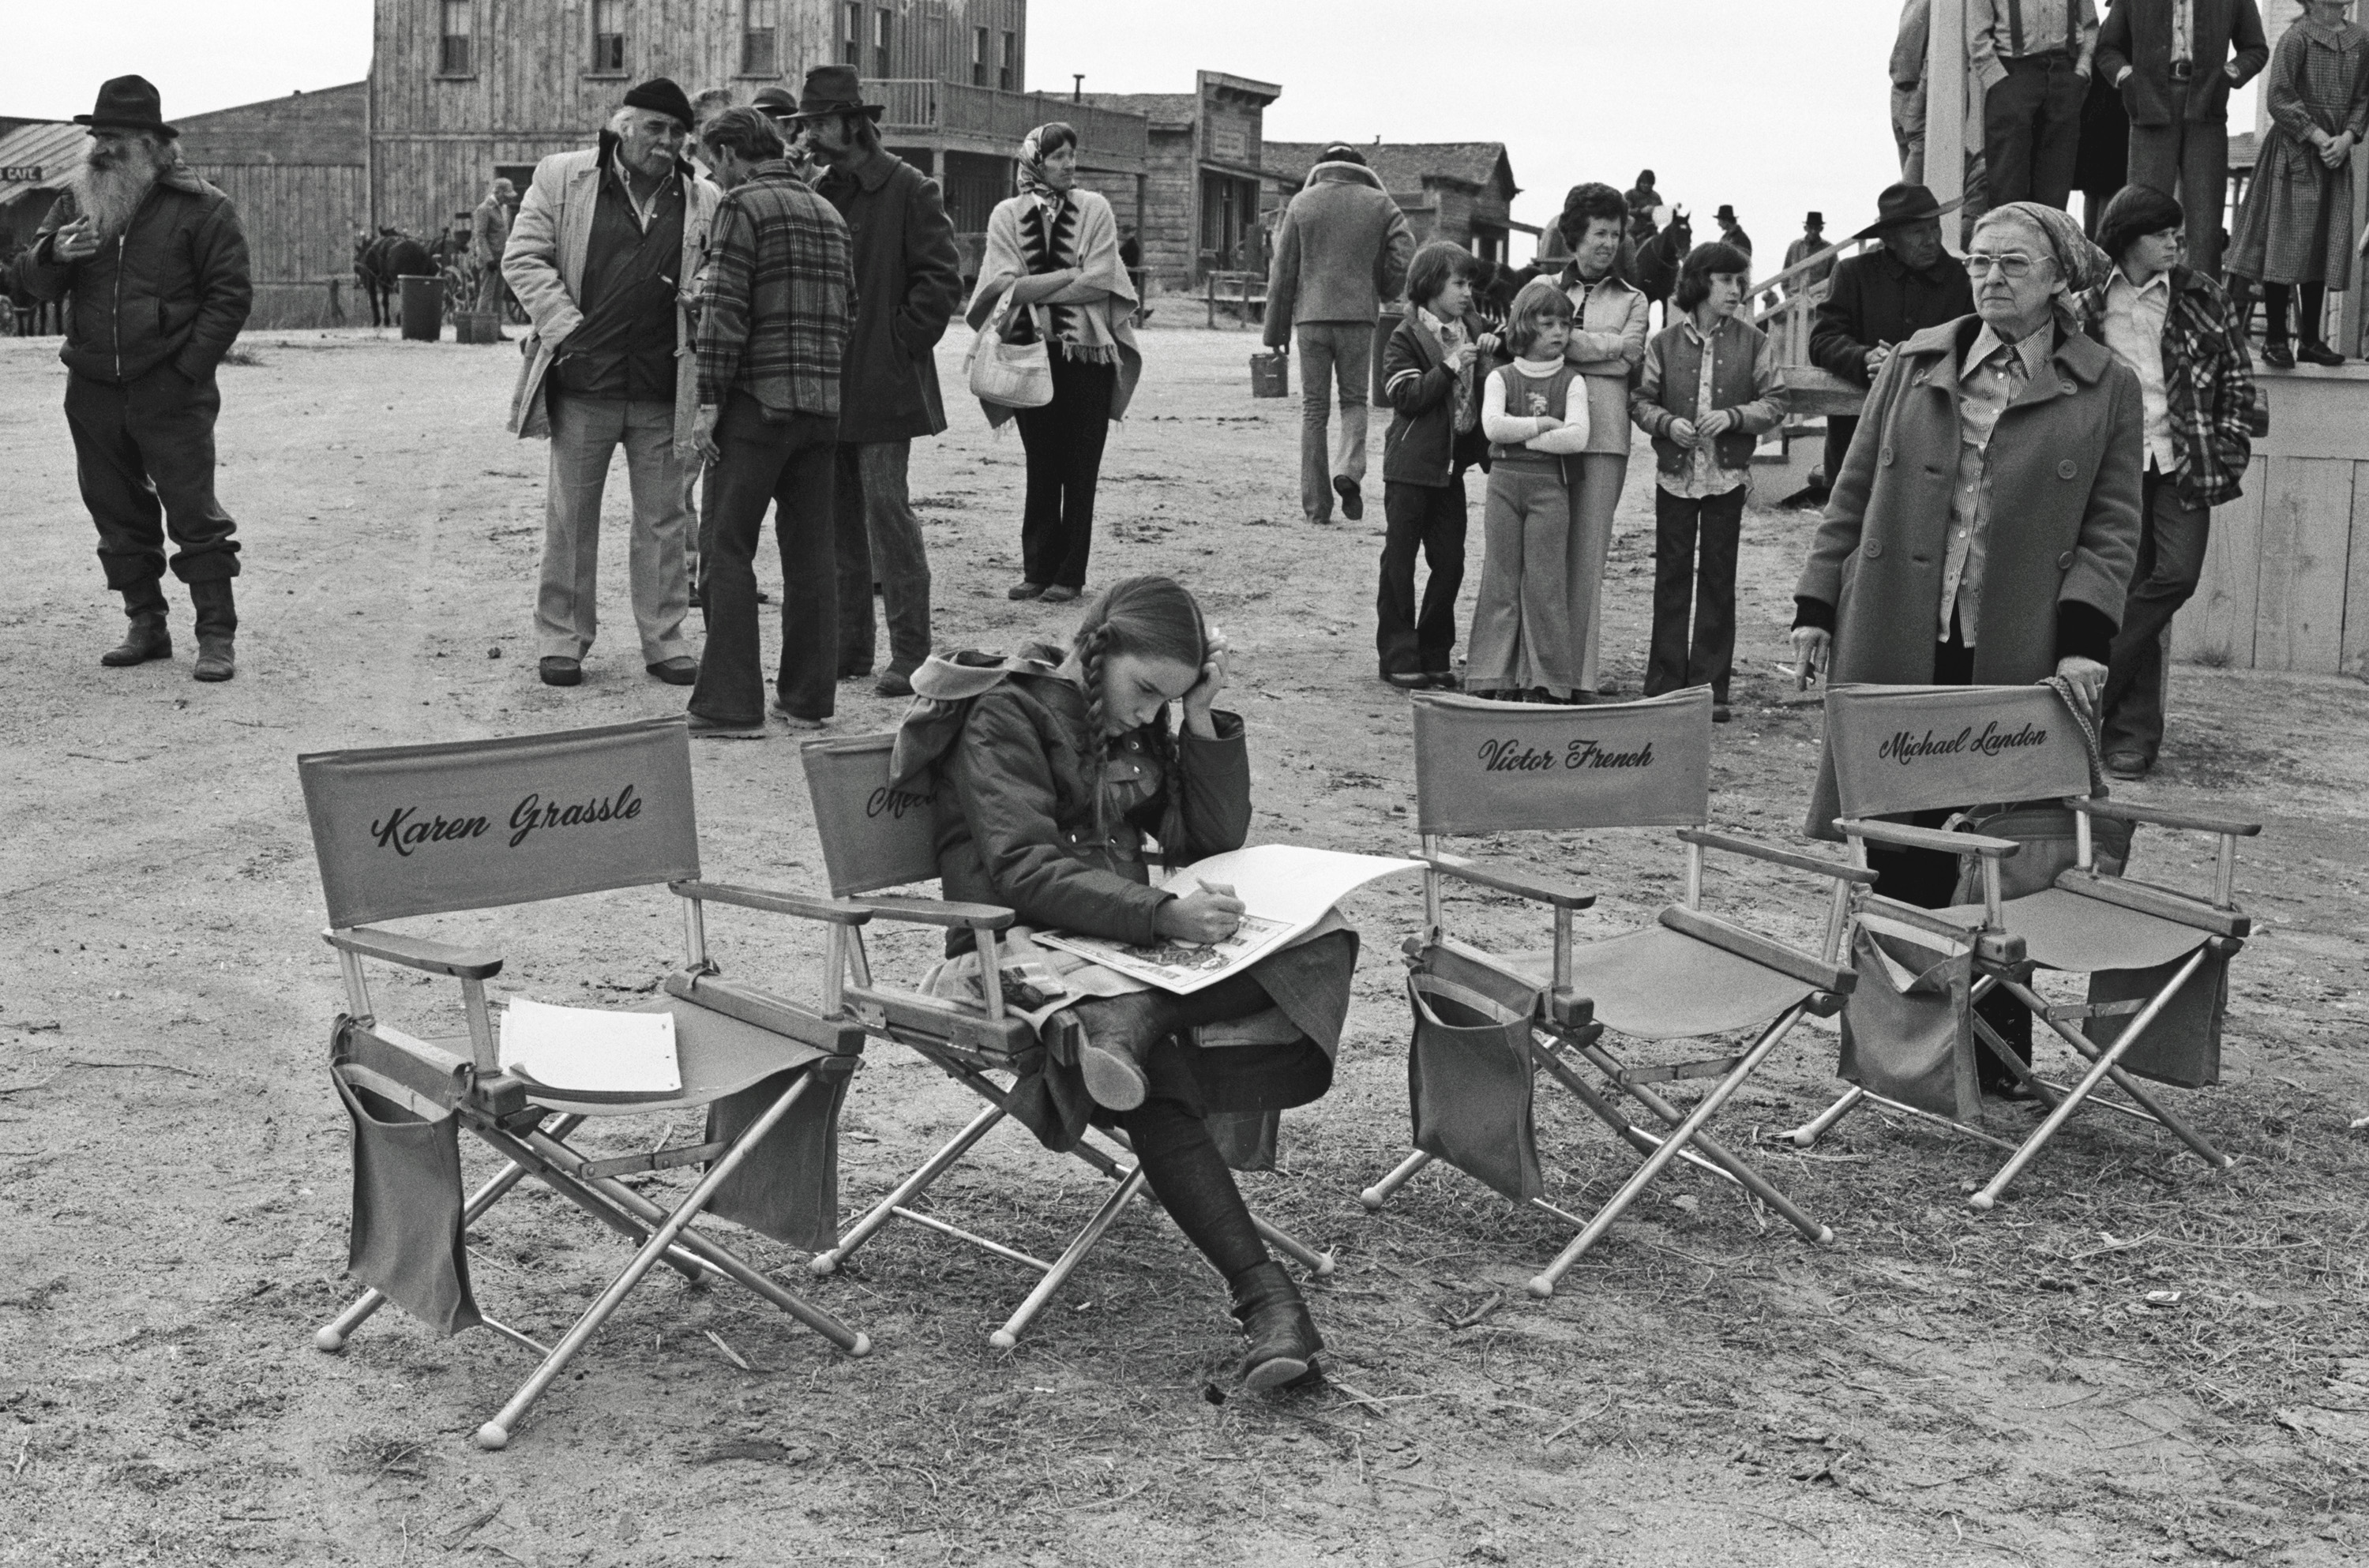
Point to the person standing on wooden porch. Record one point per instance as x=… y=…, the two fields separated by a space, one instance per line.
x=908 y=286
x=1342 y=248
x=2032 y=58
x=2175 y=61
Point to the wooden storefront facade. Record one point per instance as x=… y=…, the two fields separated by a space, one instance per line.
x=1206 y=189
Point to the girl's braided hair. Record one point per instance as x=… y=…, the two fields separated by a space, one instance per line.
x=1150 y=617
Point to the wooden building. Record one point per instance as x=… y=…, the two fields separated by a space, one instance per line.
x=1206 y=183
x=464 y=90
x=1461 y=191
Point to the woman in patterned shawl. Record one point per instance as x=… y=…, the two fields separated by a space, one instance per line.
x=1055 y=247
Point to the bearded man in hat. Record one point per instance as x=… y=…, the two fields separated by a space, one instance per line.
x=908 y=286
x=1879 y=299
x=156 y=264
x=602 y=257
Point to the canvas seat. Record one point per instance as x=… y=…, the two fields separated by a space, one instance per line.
x=874 y=839
x=1487 y=1023
x=2156 y=958
x=405 y=831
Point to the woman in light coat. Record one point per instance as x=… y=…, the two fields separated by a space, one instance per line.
x=1606 y=344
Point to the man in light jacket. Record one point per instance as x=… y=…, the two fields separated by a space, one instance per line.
x=489 y=232
x=2175 y=62
x=1342 y=250
x=605 y=243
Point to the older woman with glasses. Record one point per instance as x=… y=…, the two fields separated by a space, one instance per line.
x=1986 y=523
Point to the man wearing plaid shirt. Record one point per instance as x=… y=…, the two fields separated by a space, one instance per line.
x=773 y=342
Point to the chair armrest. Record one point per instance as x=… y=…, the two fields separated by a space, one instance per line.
x=1906 y=837
x=416 y=951
x=838 y=912
x=1507 y=879
x=2120 y=812
x=937 y=912
x=1834 y=979
x=2164 y=903
x=1817 y=865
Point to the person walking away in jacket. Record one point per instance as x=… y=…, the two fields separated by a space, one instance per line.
x=1535 y=415
x=1709 y=386
x=1606 y=345
x=1910 y=48
x=601 y=257
x=2171 y=324
x=771 y=361
x=1984 y=526
x=908 y=286
x=1054 y=249
x=2175 y=62
x=2033 y=59
x=1342 y=250
x=489 y=232
x=156 y=265
x=2296 y=231
x=1429 y=380
x=1879 y=299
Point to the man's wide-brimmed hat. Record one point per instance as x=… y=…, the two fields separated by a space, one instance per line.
x=833 y=89
x=128 y=103
x=1814 y=220
x=1726 y=214
x=1903 y=204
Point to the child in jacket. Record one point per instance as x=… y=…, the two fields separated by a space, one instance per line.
x=1709 y=387
x=1430 y=375
x=1534 y=413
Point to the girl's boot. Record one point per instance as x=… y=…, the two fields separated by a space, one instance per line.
x=1283 y=1338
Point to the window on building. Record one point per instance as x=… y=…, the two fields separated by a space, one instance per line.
x=979 y=46
x=880 y=25
x=851 y=34
x=1008 y=76
x=609 y=36
x=760 y=55
x=455 y=58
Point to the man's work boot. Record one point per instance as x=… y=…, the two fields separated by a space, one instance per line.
x=1283 y=1341
x=147 y=639
x=217 y=626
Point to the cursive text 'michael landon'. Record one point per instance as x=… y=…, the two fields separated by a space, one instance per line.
x=1905 y=749
x=403 y=829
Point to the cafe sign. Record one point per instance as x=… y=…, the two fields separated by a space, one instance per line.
x=19 y=174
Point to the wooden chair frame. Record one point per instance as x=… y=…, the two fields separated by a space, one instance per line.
x=969 y=1047
x=2000 y=963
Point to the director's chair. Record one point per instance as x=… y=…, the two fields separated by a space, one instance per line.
x=1486 y=1024
x=431 y=829
x=2157 y=958
x=874 y=838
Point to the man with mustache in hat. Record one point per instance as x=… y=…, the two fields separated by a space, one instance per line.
x=1881 y=297
x=602 y=257
x=908 y=286
x=156 y=264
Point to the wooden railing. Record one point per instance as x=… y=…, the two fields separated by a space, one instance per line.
x=1104 y=135
x=1784 y=307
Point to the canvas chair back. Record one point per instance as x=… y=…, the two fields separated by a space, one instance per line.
x=873 y=836
x=405 y=830
x=1899 y=748
x=1484 y=767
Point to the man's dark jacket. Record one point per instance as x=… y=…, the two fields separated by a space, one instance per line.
x=172 y=290
x=2138 y=34
x=1874 y=297
x=908 y=286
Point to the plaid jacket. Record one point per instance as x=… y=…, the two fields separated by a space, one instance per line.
x=2208 y=383
x=779 y=297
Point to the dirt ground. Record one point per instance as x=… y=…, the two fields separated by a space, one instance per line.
x=1937 y=1387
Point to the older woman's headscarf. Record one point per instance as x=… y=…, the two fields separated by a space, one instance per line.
x=2081 y=265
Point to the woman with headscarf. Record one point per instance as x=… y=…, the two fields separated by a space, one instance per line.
x=1054 y=249
x=2295 y=233
x=1985 y=523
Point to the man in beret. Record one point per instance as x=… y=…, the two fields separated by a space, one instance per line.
x=604 y=249
x=156 y=265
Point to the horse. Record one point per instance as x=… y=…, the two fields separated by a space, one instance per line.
x=378 y=264
x=1656 y=273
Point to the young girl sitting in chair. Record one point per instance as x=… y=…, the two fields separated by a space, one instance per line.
x=1051 y=775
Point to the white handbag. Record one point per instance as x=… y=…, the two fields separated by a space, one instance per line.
x=1015 y=375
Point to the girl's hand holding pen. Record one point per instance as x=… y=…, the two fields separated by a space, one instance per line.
x=1210 y=913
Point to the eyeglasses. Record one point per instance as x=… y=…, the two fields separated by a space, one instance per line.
x=2017 y=268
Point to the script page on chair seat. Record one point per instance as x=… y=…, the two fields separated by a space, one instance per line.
x=1284 y=889
x=590 y=1050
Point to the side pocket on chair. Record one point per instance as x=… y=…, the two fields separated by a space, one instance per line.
x=2183 y=1047
x=1469 y=1079
x=1907 y=1029
x=405 y=1239
x=787 y=1186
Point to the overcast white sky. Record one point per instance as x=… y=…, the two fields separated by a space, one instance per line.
x=1777 y=105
